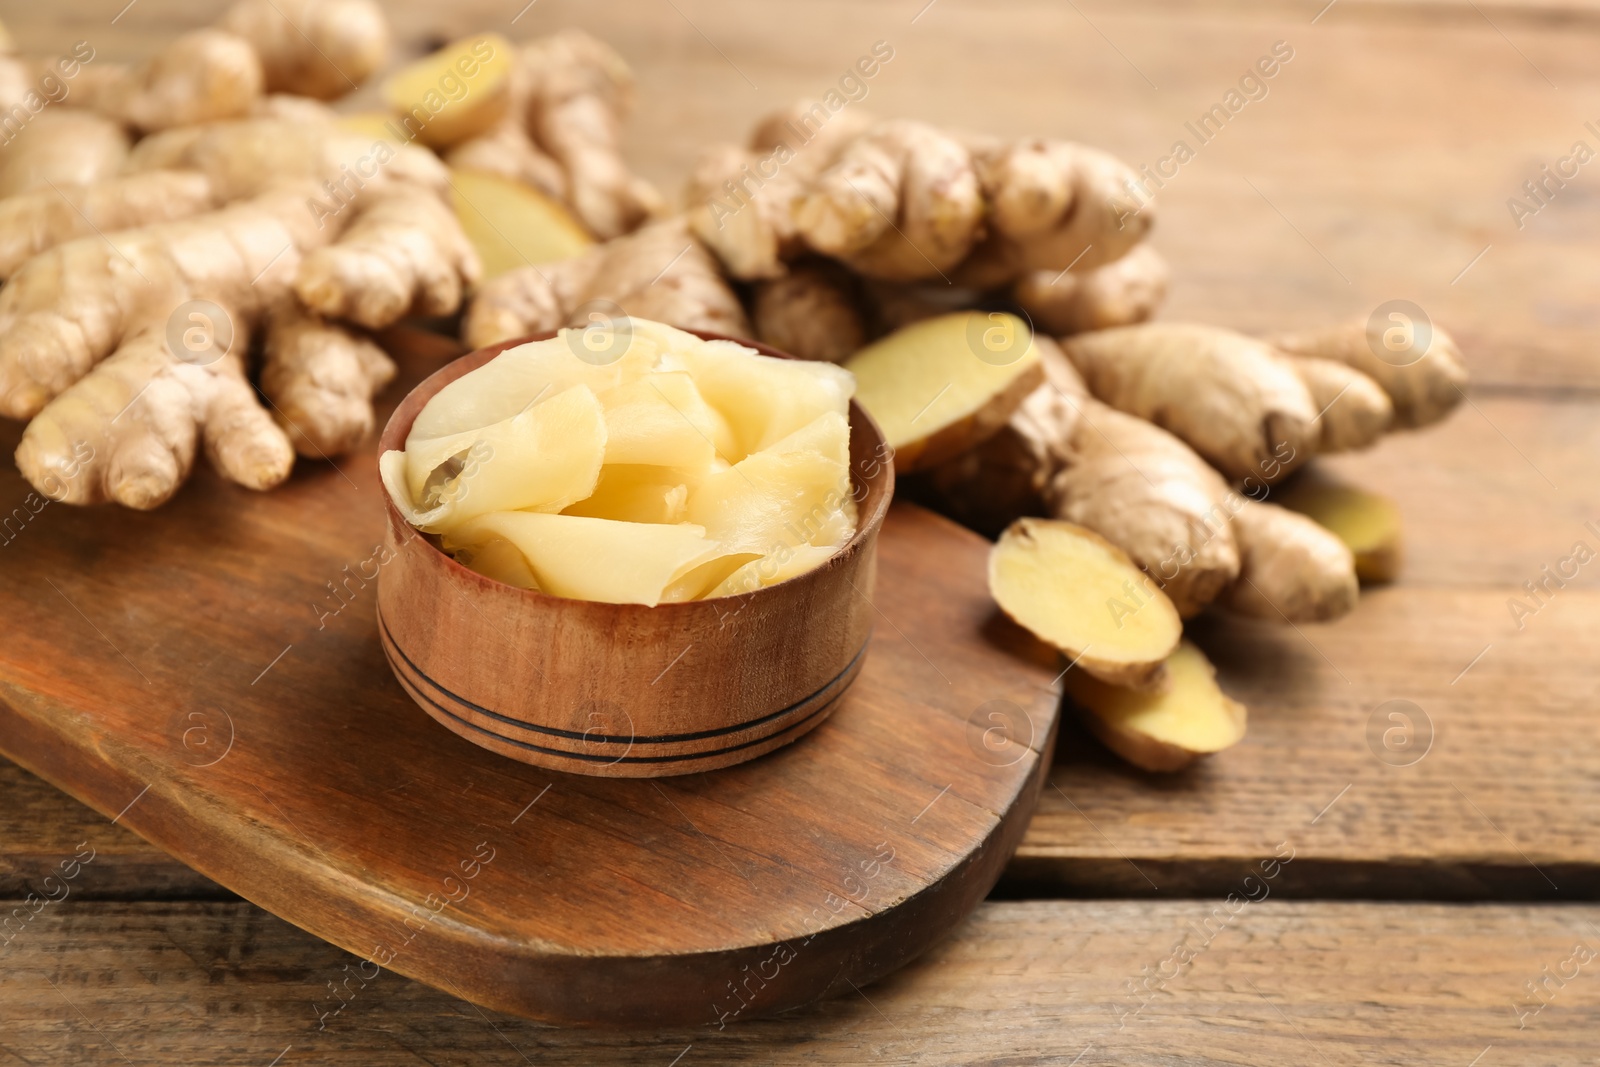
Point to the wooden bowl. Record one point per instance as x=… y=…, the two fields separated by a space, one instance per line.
x=627 y=690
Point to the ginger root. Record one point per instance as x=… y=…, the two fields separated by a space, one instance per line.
x=1353 y=411
x=907 y=201
x=1229 y=397
x=1067 y=455
x=85 y=352
x=63 y=147
x=660 y=273
x=1055 y=206
x=1078 y=592
x=317 y=48
x=314 y=48
x=320 y=379
x=567 y=95
x=1121 y=293
x=1290 y=567
x=812 y=312
x=139 y=415
x=1165 y=729
x=402 y=253
x=34 y=222
x=201 y=76
x=1425 y=386
x=95 y=336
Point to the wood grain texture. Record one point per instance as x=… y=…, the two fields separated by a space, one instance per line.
x=629 y=690
x=1379 y=166
x=302 y=776
x=1405 y=129
x=1038 y=983
x=1506 y=802
x=1480 y=520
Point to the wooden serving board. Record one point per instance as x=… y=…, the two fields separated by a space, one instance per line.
x=210 y=676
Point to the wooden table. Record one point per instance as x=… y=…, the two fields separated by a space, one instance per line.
x=1429 y=910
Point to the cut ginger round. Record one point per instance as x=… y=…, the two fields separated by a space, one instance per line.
x=512 y=224
x=1165 y=729
x=1367 y=523
x=942 y=386
x=1075 y=590
x=455 y=93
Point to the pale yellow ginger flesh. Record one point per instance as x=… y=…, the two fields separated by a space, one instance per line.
x=633 y=463
x=455 y=93
x=1073 y=589
x=1367 y=523
x=1165 y=729
x=944 y=385
x=513 y=225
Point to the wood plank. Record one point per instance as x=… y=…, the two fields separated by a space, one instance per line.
x=302 y=775
x=1480 y=520
x=1505 y=803
x=1029 y=983
x=1378 y=166
x=40 y=826
x=1399 y=176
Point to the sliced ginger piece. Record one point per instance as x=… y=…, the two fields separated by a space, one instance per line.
x=1367 y=523
x=632 y=492
x=763 y=398
x=770 y=570
x=501 y=560
x=793 y=493
x=603 y=560
x=662 y=419
x=455 y=93
x=697 y=583
x=512 y=224
x=546 y=457
x=1080 y=593
x=944 y=385
x=526 y=375
x=1165 y=729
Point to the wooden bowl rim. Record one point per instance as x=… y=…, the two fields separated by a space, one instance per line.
x=869 y=518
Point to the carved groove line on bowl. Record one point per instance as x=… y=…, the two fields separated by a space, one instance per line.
x=797 y=714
